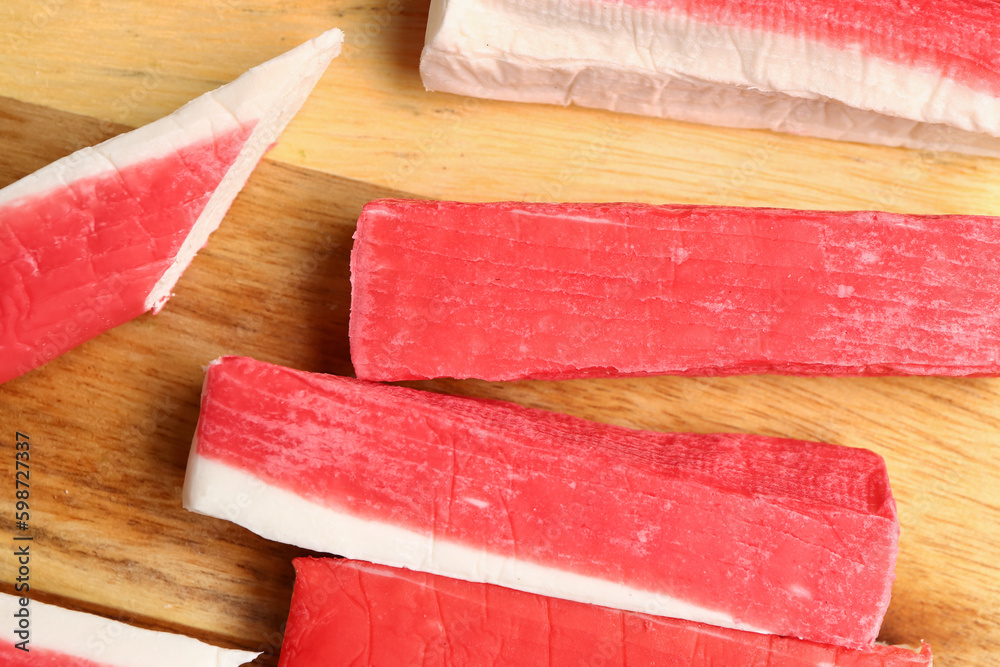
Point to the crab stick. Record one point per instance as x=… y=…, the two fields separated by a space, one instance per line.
x=509 y=291
x=379 y=616
x=754 y=533
x=101 y=236
x=923 y=74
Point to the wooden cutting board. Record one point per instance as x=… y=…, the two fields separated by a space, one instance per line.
x=111 y=422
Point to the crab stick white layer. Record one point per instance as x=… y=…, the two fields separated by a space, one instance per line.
x=779 y=536
x=222 y=491
x=667 y=63
x=63 y=636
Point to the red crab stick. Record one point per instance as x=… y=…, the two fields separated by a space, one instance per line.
x=509 y=291
x=348 y=612
x=101 y=236
x=765 y=534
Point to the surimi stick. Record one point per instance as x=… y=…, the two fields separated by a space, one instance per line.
x=510 y=290
x=101 y=236
x=925 y=75
x=56 y=637
x=384 y=617
x=763 y=534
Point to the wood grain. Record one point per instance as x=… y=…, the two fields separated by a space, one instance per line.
x=111 y=421
x=133 y=61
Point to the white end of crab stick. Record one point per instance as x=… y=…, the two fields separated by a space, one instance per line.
x=219 y=490
x=778 y=536
x=57 y=636
x=866 y=72
x=271 y=94
x=101 y=236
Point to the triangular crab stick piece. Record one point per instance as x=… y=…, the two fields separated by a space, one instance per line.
x=509 y=291
x=101 y=236
x=764 y=534
x=923 y=74
x=350 y=612
x=48 y=636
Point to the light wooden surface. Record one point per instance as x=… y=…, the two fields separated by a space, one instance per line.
x=111 y=422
